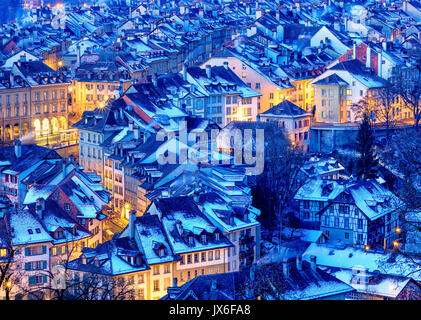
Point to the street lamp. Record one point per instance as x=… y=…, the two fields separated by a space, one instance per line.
x=127 y=207
x=366 y=247
x=398 y=230
x=7 y=287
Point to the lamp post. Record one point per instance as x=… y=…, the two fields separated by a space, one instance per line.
x=7 y=287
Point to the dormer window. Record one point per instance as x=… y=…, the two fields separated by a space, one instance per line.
x=203 y=238
x=161 y=252
x=231 y=220
x=191 y=240
x=217 y=236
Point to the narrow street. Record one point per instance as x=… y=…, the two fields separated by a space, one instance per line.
x=111 y=226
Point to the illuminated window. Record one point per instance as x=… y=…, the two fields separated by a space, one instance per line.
x=156 y=270
x=167 y=268
x=156 y=285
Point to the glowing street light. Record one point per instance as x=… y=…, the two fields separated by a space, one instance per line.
x=396 y=244
x=60 y=64
x=398 y=230
x=7 y=287
x=366 y=247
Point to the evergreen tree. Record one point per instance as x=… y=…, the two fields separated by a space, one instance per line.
x=366 y=167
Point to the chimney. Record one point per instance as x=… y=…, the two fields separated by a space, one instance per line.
x=136 y=132
x=201 y=13
x=174 y=291
x=299 y=262
x=185 y=71
x=213 y=287
x=18 y=148
x=384 y=45
x=131 y=125
x=121 y=114
x=285 y=267
x=12 y=79
x=121 y=89
x=368 y=58
x=208 y=71
x=313 y=264
x=259 y=13
x=63 y=168
x=179 y=226
x=132 y=219
x=226 y=65
x=379 y=62
x=354 y=51
x=40 y=207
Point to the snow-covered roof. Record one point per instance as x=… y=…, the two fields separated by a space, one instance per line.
x=373 y=284
x=349 y=258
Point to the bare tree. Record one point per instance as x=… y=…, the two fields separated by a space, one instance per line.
x=278 y=184
x=379 y=104
x=67 y=284
x=406 y=81
x=404 y=161
x=6 y=268
x=385 y=108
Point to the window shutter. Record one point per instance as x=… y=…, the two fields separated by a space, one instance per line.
x=27 y=266
x=26 y=251
x=44 y=264
x=44 y=279
x=31 y=280
x=44 y=249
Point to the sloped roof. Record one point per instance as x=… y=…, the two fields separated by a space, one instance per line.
x=286 y=108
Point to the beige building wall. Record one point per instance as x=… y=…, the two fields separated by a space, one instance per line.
x=211 y=264
x=271 y=94
x=330 y=104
